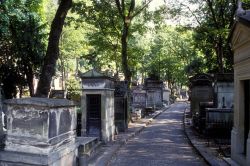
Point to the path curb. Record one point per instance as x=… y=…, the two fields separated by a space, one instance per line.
x=208 y=157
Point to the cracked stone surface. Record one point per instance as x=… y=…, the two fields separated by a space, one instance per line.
x=162 y=143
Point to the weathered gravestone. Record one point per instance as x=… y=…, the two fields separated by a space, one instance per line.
x=154 y=92
x=139 y=98
x=121 y=105
x=223 y=90
x=138 y=102
x=97 y=104
x=40 y=131
x=201 y=91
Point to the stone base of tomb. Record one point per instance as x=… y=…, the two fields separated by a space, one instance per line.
x=65 y=155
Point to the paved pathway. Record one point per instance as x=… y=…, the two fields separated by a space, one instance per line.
x=162 y=143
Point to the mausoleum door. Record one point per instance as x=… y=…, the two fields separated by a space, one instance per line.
x=94 y=115
x=247 y=112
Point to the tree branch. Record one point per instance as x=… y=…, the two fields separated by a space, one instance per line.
x=118 y=4
x=210 y=5
x=144 y=6
x=196 y=18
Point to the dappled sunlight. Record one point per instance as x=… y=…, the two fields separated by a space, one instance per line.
x=163 y=140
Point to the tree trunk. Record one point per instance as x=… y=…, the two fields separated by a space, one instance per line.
x=30 y=76
x=125 y=66
x=220 y=55
x=52 y=54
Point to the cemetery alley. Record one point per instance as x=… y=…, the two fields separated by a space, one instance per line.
x=161 y=143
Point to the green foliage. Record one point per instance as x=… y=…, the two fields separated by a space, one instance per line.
x=172 y=52
x=21 y=44
x=73 y=89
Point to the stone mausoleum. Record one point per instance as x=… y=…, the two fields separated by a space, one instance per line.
x=240 y=43
x=97 y=105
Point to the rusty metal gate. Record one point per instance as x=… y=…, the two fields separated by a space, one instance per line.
x=94 y=115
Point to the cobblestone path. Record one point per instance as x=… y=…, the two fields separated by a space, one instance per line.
x=162 y=143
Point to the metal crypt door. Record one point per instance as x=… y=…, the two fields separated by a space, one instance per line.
x=94 y=116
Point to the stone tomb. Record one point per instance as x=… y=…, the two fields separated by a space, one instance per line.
x=40 y=131
x=166 y=94
x=121 y=105
x=97 y=105
x=139 y=98
x=154 y=92
x=240 y=42
x=201 y=91
x=223 y=90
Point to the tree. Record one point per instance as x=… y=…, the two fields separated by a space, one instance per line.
x=21 y=45
x=128 y=12
x=214 y=20
x=114 y=22
x=52 y=54
x=171 y=52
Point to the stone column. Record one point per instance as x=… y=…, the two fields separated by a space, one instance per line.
x=40 y=131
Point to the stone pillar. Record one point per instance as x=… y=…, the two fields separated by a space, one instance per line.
x=40 y=131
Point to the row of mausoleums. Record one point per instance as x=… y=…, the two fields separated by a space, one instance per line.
x=43 y=131
x=221 y=102
x=152 y=95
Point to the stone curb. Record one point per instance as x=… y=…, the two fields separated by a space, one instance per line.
x=209 y=158
x=105 y=159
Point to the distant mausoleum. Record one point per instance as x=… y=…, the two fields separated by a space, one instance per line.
x=154 y=92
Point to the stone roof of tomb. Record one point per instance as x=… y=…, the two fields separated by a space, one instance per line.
x=93 y=73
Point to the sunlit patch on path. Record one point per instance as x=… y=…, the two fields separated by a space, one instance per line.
x=162 y=143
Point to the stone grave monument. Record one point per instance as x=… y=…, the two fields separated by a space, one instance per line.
x=139 y=98
x=40 y=131
x=166 y=94
x=223 y=90
x=240 y=44
x=154 y=92
x=97 y=105
x=201 y=91
x=121 y=105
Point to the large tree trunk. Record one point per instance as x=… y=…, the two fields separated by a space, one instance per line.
x=52 y=54
x=125 y=66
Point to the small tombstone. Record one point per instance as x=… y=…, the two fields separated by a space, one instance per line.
x=97 y=104
x=40 y=131
x=121 y=105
